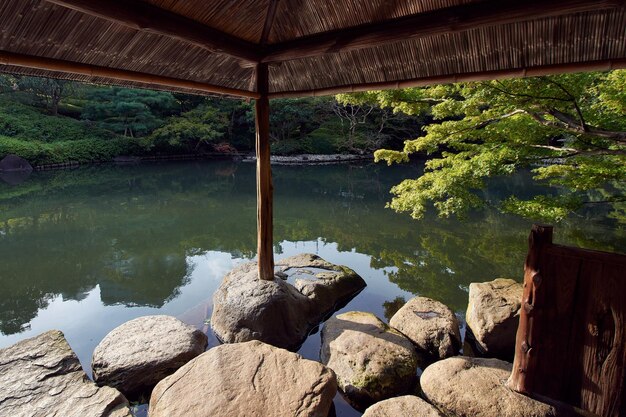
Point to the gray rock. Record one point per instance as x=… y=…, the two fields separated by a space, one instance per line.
x=135 y=356
x=277 y=312
x=405 y=406
x=12 y=163
x=493 y=316
x=372 y=361
x=431 y=325
x=42 y=377
x=249 y=379
x=475 y=387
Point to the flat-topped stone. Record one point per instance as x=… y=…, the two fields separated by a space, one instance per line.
x=431 y=326
x=372 y=361
x=278 y=312
x=475 y=387
x=42 y=377
x=405 y=406
x=135 y=356
x=251 y=379
x=493 y=316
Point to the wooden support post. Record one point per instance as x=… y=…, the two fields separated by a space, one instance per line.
x=264 y=188
x=521 y=376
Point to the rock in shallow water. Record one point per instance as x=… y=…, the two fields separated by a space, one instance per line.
x=42 y=377
x=405 y=406
x=431 y=325
x=493 y=316
x=372 y=361
x=136 y=355
x=475 y=387
x=249 y=379
x=277 y=312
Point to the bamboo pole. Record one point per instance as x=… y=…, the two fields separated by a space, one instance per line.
x=264 y=188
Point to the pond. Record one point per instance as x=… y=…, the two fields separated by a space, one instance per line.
x=86 y=250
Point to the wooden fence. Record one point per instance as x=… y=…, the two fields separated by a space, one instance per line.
x=571 y=340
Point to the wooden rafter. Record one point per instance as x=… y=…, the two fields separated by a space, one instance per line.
x=147 y=18
x=605 y=65
x=269 y=21
x=444 y=21
x=20 y=60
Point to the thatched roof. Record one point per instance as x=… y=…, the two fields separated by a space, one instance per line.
x=311 y=46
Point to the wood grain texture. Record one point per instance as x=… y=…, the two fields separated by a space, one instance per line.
x=571 y=344
x=264 y=195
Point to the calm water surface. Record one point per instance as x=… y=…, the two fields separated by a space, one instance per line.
x=86 y=250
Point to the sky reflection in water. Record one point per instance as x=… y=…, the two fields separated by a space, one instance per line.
x=87 y=250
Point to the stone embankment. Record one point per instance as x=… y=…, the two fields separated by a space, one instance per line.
x=374 y=365
x=312 y=159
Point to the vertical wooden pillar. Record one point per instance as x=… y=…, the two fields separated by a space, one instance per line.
x=529 y=328
x=264 y=188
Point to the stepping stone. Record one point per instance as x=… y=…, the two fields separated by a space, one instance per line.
x=475 y=387
x=372 y=360
x=42 y=377
x=405 y=406
x=431 y=326
x=135 y=356
x=278 y=312
x=251 y=379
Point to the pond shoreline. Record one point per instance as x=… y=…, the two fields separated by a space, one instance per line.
x=299 y=159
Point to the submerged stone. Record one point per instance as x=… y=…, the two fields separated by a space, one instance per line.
x=249 y=379
x=135 y=356
x=493 y=316
x=372 y=360
x=42 y=377
x=430 y=325
x=278 y=312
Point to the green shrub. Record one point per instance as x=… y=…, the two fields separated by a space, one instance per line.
x=81 y=150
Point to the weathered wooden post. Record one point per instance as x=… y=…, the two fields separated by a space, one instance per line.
x=264 y=188
x=525 y=358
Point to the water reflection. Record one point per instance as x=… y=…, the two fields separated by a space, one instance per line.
x=88 y=249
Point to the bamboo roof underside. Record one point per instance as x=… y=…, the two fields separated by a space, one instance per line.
x=312 y=47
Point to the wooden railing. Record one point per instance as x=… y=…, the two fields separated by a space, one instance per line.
x=571 y=340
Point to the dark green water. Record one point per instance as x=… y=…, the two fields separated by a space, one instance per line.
x=85 y=250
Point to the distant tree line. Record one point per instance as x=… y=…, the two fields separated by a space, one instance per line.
x=157 y=122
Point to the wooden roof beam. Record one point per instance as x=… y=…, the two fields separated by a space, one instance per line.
x=604 y=65
x=69 y=67
x=449 y=20
x=147 y=18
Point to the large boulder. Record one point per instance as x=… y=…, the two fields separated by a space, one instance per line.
x=42 y=377
x=405 y=406
x=430 y=325
x=493 y=316
x=372 y=361
x=249 y=379
x=278 y=312
x=12 y=163
x=135 y=356
x=475 y=387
